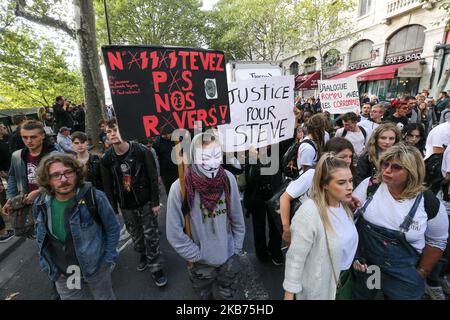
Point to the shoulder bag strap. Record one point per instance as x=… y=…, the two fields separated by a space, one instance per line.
x=336 y=279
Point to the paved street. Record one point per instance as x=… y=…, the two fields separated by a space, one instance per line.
x=20 y=275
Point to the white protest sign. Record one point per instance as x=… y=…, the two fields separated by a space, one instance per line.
x=339 y=96
x=261 y=113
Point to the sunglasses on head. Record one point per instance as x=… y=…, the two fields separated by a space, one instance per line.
x=393 y=166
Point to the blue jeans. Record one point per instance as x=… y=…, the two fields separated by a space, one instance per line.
x=98 y=286
x=397 y=260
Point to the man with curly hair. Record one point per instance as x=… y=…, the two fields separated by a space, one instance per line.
x=76 y=230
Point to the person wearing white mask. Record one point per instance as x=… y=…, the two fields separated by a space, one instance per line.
x=216 y=221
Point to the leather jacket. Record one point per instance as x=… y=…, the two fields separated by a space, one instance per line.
x=144 y=181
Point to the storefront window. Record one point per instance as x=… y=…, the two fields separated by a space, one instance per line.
x=382 y=89
x=408 y=86
x=392 y=89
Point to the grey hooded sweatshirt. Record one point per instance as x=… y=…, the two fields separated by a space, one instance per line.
x=214 y=239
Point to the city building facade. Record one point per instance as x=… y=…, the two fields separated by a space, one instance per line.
x=398 y=46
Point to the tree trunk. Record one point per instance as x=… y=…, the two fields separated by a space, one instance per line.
x=84 y=34
x=93 y=88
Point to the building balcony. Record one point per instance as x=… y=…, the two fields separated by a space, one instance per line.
x=400 y=7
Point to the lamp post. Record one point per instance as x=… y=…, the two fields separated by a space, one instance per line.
x=107 y=22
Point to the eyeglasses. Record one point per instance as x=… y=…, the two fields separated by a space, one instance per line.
x=57 y=175
x=394 y=166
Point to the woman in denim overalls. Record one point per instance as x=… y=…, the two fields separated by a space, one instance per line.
x=399 y=242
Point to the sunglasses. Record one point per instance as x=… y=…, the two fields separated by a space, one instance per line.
x=394 y=166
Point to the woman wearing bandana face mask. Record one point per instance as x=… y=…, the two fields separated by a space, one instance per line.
x=216 y=219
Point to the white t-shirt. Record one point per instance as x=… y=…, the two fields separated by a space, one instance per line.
x=438 y=137
x=444 y=169
x=369 y=126
x=385 y=211
x=326 y=137
x=345 y=229
x=301 y=185
x=356 y=138
x=307 y=155
x=446 y=162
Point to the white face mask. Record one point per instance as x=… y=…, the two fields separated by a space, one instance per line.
x=208 y=161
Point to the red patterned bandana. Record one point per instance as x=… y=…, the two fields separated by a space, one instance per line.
x=210 y=190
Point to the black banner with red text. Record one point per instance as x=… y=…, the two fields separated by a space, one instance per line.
x=156 y=90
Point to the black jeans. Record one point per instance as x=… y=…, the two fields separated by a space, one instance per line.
x=259 y=214
x=2 y=203
x=168 y=178
x=2 y=223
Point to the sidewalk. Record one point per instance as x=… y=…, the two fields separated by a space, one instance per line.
x=9 y=246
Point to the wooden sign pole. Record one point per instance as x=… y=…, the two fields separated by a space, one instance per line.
x=187 y=223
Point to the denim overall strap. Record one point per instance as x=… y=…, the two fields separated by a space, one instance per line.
x=404 y=227
x=360 y=211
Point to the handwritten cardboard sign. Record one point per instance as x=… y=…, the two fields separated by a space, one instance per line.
x=339 y=96
x=261 y=113
x=156 y=90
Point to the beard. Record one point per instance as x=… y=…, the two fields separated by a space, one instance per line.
x=58 y=190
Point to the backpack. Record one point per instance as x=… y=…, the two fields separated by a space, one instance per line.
x=289 y=161
x=431 y=203
x=344 y=133
x=90 y=201
x=433 y=176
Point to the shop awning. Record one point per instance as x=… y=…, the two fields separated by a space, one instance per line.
x=407 y=69
x=307 y=81
x=346 y=74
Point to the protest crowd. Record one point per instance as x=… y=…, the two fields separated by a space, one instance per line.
x=350 y=192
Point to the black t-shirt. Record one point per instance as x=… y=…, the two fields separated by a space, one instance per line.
x=126 y=176
x=5 y=157
x=394 y=119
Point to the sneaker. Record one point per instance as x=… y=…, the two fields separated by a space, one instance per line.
x=159 y=278
x=277 y=262
x=143 y=263
x=435 y=293
x=5 y=237
x=445 y=283
x=124 y=235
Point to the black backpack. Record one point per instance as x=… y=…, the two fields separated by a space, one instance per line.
x=433 y=176
x=289 y=161
x=90 y=201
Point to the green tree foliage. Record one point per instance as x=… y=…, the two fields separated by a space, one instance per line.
x=33 y=72
x=151 y=22
x=322 y=22
x=253 y=29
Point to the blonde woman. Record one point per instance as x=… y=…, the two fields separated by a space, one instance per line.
x=402 y=228
x=300 y=186
x=384 y=137
x=324 y=237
